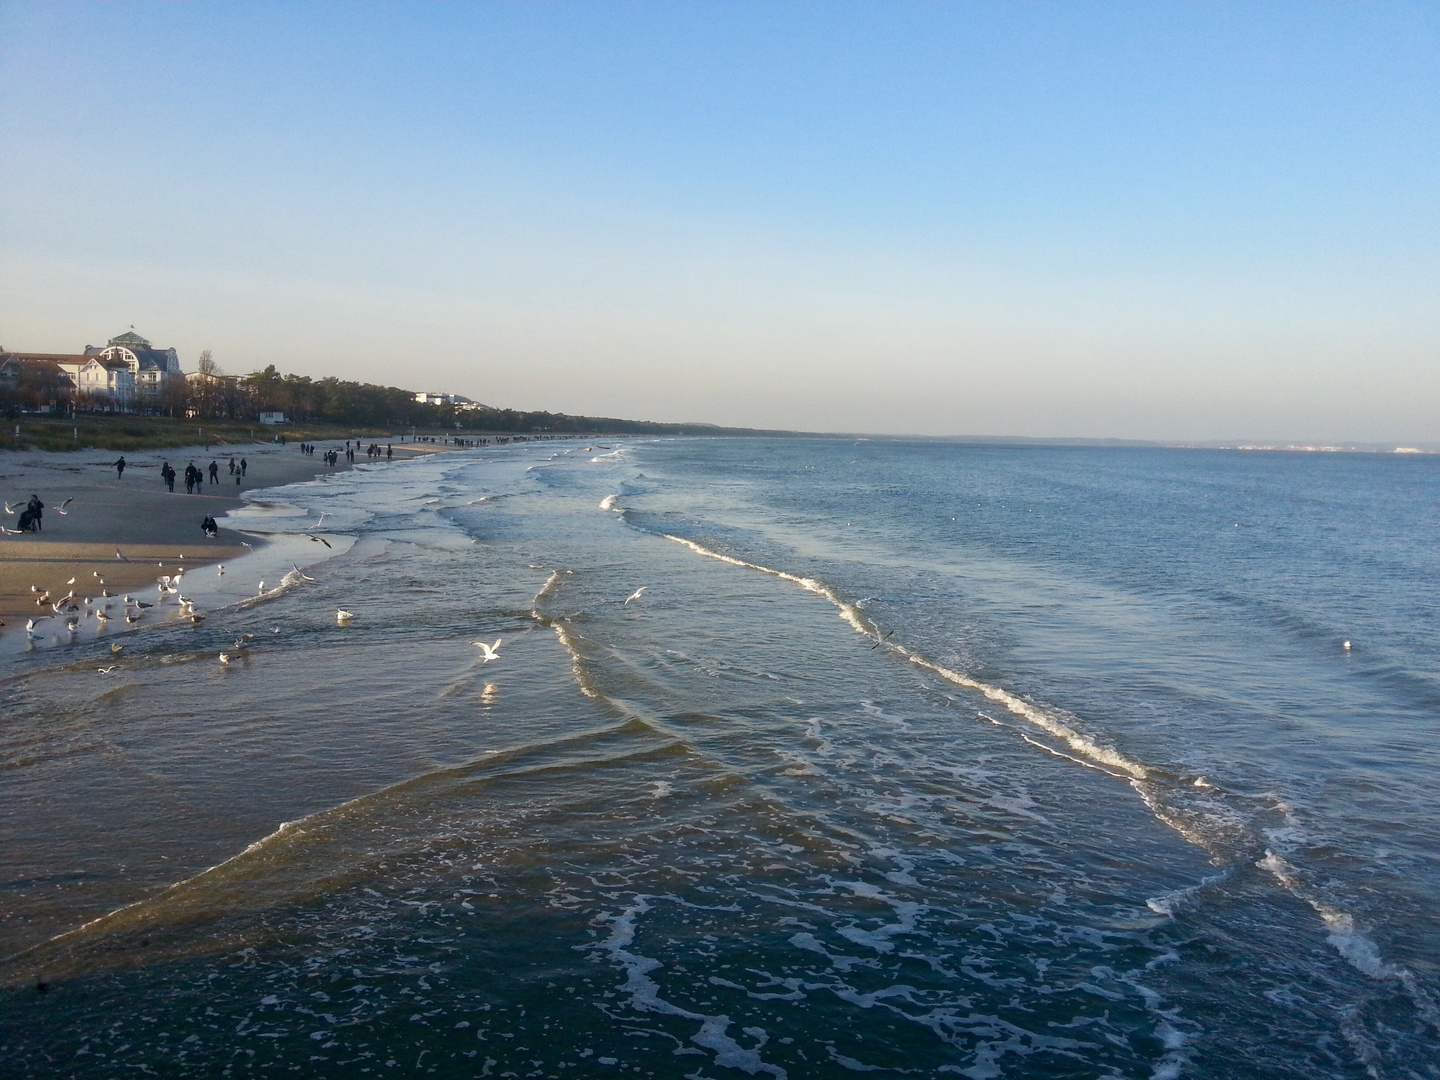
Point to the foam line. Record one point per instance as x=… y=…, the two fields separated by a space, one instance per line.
x=1042 y=719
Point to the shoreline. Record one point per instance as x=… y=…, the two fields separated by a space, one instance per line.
x=130 y=530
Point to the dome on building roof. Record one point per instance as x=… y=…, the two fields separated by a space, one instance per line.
x=130 y=339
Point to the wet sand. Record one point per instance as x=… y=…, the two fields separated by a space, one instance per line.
x=134 y=514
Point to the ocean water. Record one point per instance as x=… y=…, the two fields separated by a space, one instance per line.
x=909 y=759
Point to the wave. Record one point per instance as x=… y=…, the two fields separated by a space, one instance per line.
x=1210 y=826
x=225 y=906
x=1046 y=719
x=1346 y=938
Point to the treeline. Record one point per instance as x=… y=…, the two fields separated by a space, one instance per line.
x=355 y=404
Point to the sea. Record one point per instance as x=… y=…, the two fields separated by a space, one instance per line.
x=798 y=757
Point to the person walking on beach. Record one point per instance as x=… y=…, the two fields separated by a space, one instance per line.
x=243 y=465
x=214 y=472
x=167 y=474
x=37 y=511
x=232 y=466
x=192 y=477
x=120 y=469
x=389 y=451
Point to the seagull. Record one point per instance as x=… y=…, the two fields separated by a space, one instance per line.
x=30 y=624
x=488 y=650
x=70 y=582
x=97 y=574
x=1346 y=646
x=133 y=619
x=323 y=515
x=142 y=604
x=61 y=508
x=222 y=570
x=107 y=670
x=636 y=594
x=115 y=649
x=34 y=588
x=244 y=544
x=225 y=658
x=119 y=556
x=10 y=509
x=882 y=639
x=102 y=616
x=11 y=532
x=262 y=589
x=318 y=539
x=43 y=599
x=303 y=576
x=343 y=616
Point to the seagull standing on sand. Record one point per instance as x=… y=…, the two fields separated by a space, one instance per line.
x=490 y=651
x=120 y=556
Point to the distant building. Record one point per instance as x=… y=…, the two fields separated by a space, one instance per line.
x=273 y=418
x=149 y=367
x=37 y=380
x=464 y=404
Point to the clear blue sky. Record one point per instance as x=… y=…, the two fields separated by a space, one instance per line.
x=1154 y=220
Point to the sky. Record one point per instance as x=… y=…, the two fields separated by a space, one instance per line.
x=1174 y=221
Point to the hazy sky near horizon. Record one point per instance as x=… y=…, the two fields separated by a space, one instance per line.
x=1147 y=220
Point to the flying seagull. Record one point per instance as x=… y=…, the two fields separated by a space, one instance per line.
x=10 y=509
x=489 y=650
x=318 y=539
x=303 y=576
x=636 y=594
x=61 y=508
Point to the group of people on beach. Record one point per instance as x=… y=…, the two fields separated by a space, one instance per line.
x=332 y=457
x=195 y=478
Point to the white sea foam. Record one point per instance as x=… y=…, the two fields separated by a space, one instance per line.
x=644 y=993
x=608 y=502
x=1046 y=720
x=1345 y=937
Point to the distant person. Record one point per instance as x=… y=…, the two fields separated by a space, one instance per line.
x=243 y=466
x=214 y=472
x=232 y=466
x=389 y=451
x=120 y=469
x=193 y=476
x=37 y=512
x=167 y=474
x=209 y=528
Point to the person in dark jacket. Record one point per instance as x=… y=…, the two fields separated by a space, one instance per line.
x=37 y=511
x=120 y=469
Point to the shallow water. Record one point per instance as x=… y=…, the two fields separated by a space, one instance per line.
x=909 y=757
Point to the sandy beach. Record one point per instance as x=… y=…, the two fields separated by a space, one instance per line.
x=154 y=529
